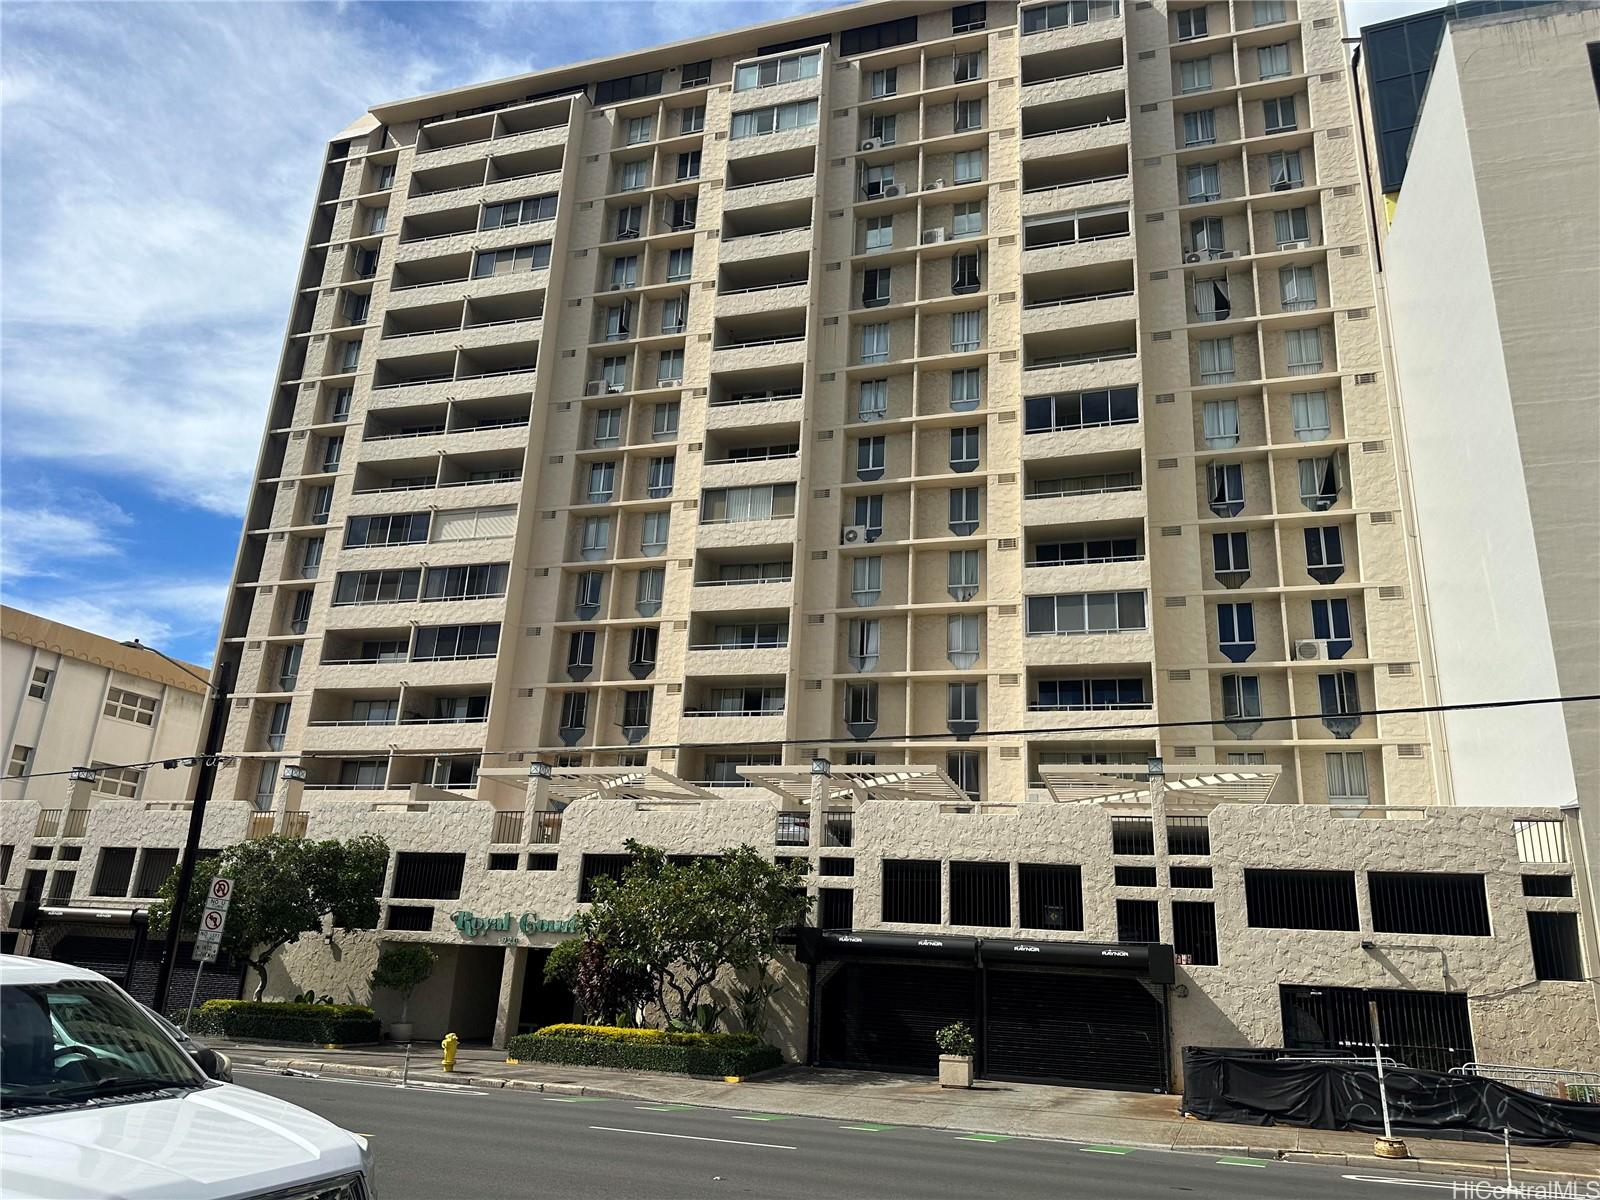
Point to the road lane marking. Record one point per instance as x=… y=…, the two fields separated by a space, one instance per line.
x=763 y=1117
x=1242 y=1162
x=982 y=1137
x=864 y=1128
x=689 y=1137
x=1418 y=1183
x=576 y=1099
x=1105 y=1149
x=666 y=1107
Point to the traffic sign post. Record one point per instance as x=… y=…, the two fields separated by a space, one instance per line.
x=208 y=939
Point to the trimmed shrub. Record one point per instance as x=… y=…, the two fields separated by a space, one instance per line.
x=645 y=1050
x=279 y=1022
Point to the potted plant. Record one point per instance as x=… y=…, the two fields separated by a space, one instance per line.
x=402 y=967
x=955 y=1059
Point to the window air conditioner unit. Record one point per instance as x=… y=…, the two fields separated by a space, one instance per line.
x=869 y=145
x=890 y=189
x=932 y=237
x=1216 y=254
x=1300 y=245
x=1193 y=256
x=853 y=535
x=595 y=387
x=1310 y=650
x=935 y=185
x=617 y=287
x=613 y=389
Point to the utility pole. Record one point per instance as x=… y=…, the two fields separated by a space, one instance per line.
x=205 y=779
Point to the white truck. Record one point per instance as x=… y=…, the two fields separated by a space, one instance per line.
x=98 y=1101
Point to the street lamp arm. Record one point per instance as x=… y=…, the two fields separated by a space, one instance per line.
x=136 y=644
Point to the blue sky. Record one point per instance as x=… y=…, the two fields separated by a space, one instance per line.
x=158 y=162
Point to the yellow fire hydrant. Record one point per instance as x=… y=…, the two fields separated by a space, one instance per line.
x=451 y=1041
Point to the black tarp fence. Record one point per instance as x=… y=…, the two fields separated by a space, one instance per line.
x=1250 y=1087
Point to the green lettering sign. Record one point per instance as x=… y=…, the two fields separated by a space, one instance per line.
x=470 y=925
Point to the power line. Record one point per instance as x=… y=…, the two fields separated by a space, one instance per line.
x=1123 y=727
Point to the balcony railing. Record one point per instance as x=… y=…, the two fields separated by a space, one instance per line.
x=262 y=824
x=793 y=829
x=546 y=830
x=49 y=823
x=838 y=827
x=507 y=827
x=77 y=823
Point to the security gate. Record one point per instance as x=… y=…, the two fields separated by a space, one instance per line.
x=125 y=955
x=882 y=1015
x=1073 y=1028
x=1430 y=1030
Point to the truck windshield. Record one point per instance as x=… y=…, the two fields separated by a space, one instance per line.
x=81 y=1041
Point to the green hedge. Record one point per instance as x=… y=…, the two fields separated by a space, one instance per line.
x=318 y=1024
x=645 y=1050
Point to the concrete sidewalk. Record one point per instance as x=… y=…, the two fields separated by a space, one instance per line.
x=1016 y=1109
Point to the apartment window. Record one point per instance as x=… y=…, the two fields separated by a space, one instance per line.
x=1267 y=12
x=1216 y=360
x=872 y=402
x=861 y=708
x=1557 y=949
x=519 y=212
x=1273 y=61
x=968 y=220
x=680 y=264
x=1236 y=758
x=633 y=175
x=1067 y=12
x=654 y=530
x=1303 y=351
x=39 y=683
x=311 y=557
x=1098 y=550
x=775 y=119
x=575 y=711
x=1225 y=488
x=1290 y=225
x=964 y=274
x=1200 y=128
x=586 y=593
x=967 y=67
x=883 y=128
x=1338 y=694
x=1301 y=899
x=595 y=537
x=114 y=872
x=695 y=74
x=391 y=529
x=1284 y=171
x=506 y=262
x=964 y=448
x=356 y=307
x=1211 y=302
x=1194 y=930
x=619 y=322
x=376 y=587
x=1236 y=631
x=968 y=166
x=868 y=513
x=21 y=756
x=963 y=574
x=607 y=427
x=786 y=69
x=911 y=891
x=1202 y=183
x=1321 y=480
x=1205 y=235
x=1221 y=423
x=120 y=783
x=961 y=640
x=669 y=368
x=969 y=115
x=339 y=404
x=885 y=82
x=624 y=272
x=966 y=510
x=640 y=130
x=614 y=372
x=862 y=643
x=688 y=165
x=1230 y=557
x=383 y=178
x=130 y=706
x=869 y=458
x=1324 y=553
x=1310 y=415
x=866 y=580
x=1297 y=289
x=647 y=591
x=1428 y=902
x=674 y=314
x=365 y=263
x=1241 y=698
x=876 y=181
x=875 y=287
x=1191 y=24
x=1086 y=612
x=636 y=710
x=332 y=452
x=879 y=233
x=966 y=330
x=439 y=642
x=1347 y=777
x=580 y=654
x=476 y=582
x=348 y=355
x=1138 y=921
x=762 y=502
x=875 y=343
x=966 y=389
x=1278 y=114
x=1194 y=75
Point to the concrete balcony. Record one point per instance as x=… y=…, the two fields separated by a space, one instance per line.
x=1094 y=506
x=1087 y=193
x=730 y=597
x=503 y=437
x=1072 y=314
x=741 y=474
x=1087 y=649
x=1064 y=142
x=344 y=617
x=354 y=737
x=780 y=531
x=1088 y=577
x=755 y=413
x=1076 y=85
x=1114 y=248
x=762 y=660
x=1117 y=371
x=459 y=672
x=739 y=197
x=1103 y=29
x=784 y=352
x=1092 y=719
x=772 y=143
x=736 y=728
x=774 y=297
x=764 y=245
x=1095 y=439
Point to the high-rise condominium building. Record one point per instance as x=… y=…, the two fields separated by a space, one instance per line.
x=969 y=386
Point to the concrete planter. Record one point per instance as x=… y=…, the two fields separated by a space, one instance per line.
x=955 y=1070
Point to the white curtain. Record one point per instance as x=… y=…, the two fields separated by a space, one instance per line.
x=1289 y=225
x=1203 y=183
x=1195 y=75
x=1199 y=128
x=1310 y=413
x=1347 y=777
x=1304 y=351
x=1216 y=361
x=874 y=403
x=1298 y=288
x=1222 y=423
x=962 y=643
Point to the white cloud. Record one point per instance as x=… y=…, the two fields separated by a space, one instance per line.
x=41 y=537
x=177 y=615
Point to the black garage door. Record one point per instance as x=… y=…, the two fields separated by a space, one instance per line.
x=1084 y=1030
x=883 y=1015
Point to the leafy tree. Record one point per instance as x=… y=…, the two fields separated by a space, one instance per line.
x=402 y=967
x=561 y=964
x=609 y=986
x=681 y=924
x=283 y=887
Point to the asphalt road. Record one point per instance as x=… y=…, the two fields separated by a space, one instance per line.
x=471 y=1144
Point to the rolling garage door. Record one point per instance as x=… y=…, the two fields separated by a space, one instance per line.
x=1098 y=1031
x=882 y=1015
